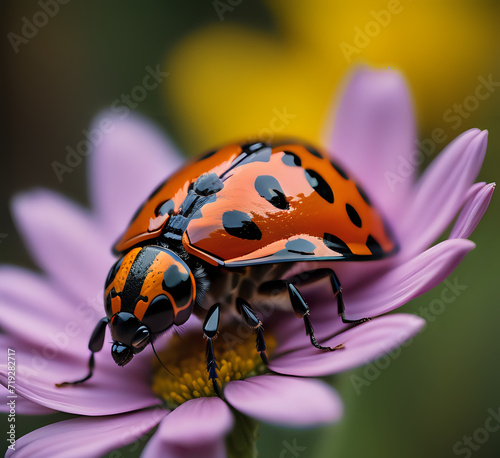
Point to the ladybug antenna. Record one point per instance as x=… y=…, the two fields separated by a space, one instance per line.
x=158 y=358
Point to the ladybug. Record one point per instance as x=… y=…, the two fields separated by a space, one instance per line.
x=220 y=235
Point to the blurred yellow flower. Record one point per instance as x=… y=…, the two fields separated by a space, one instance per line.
x=231 y=82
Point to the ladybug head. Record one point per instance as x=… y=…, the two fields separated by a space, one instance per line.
x=130 y=337
x=147 y=291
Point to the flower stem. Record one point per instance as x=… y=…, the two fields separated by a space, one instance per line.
x=240 y=442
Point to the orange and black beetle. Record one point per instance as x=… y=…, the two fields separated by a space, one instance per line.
x=223 y=232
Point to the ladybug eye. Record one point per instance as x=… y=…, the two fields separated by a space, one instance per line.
x=160 y=314
x=141 y=338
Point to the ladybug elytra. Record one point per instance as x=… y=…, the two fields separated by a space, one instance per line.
x=220 y=235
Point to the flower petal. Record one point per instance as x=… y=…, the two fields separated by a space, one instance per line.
x=285 y=401
x=87 y=437
x=374 y=132
x=155 y=448
x=442 y=190
x=129 y=159
x=477 y=202
x=108 y=392
x=23 y=406
x=196 y=428
x=407 y=281
x=32 y=311
x=363 y=343
x=64 y=241
x=391 y=290
x=290 y=331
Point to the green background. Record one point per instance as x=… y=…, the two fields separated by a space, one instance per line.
x=432 y=393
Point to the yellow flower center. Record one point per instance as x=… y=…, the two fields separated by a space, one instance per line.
x=185 y=358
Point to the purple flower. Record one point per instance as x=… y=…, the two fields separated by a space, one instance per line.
x=48 y=318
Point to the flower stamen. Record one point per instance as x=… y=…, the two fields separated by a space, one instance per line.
x=237 y=359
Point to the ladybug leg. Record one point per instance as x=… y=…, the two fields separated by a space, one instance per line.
x=302 y=310
x=95 y=344
x=253 y=322
x=210 y=329
x=299 y=304
x=337 y=291
x=318 y=274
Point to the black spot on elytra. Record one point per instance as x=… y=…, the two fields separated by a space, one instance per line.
x=353 y=215
x=364 y=195
x=199 y=213
x=240 y=224
x=339 y=170
x=269 y=188
x=314 y=152
x=253 y=147
x=207 y=155
x=291 y=159
x=335 y=244
x=300 y=246
x=207 y=184
x=319 y=184
x=259 y=155
x=374 y=246
x=166 y=208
